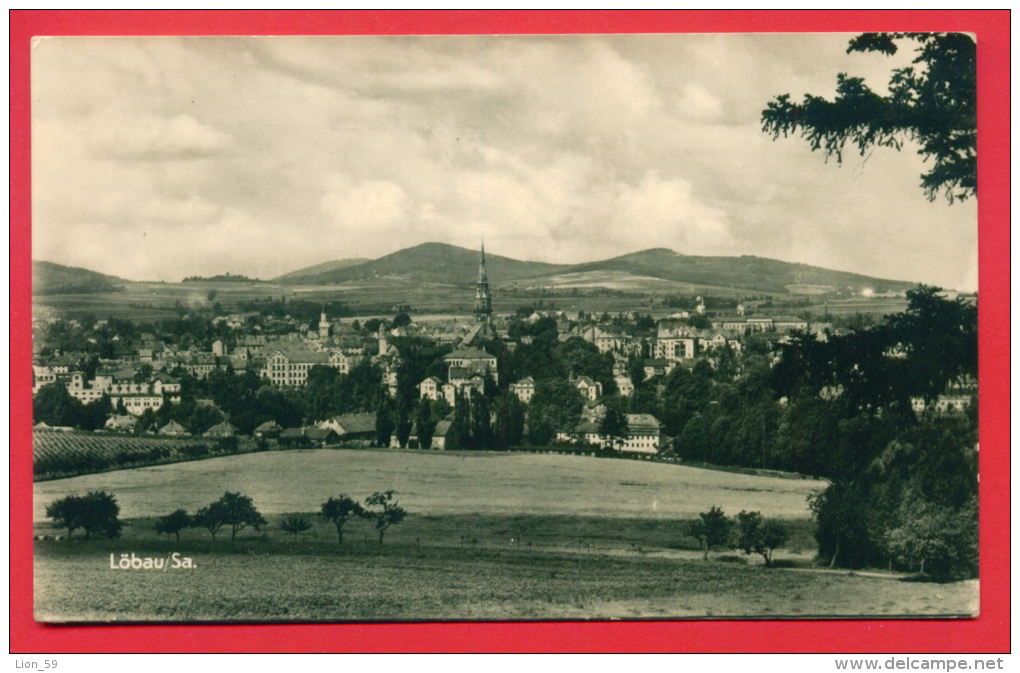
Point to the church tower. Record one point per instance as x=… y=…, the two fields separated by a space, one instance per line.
x=323 y=325
x=483 y=300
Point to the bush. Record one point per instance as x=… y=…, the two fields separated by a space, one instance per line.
x=389 y=514
x=195 y=450
x=232 y=509
x=95 y=513
x=295 y=524
x=711 y=529
x=173 y=523
x=935 y=540
x=757 y=535
x=226 y=445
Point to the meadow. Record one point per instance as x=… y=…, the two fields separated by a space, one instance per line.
x=592 y=291
x=280 y=581
x=438 y=482
x=488 y=536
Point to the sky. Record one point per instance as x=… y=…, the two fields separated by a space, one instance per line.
x=162 y=157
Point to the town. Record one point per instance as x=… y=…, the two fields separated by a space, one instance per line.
x=556 y=377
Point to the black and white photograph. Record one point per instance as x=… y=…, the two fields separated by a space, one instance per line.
x=504 y=327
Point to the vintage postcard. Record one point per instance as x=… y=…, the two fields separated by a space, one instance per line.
x=447 y=328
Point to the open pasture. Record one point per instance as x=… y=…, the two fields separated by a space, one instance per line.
x=260 y=580
x=435 y=482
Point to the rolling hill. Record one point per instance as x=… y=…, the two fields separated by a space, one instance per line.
x=51 y=278
x=748 y=272
x=433 y=262
x=309 y=271
x=659 y=268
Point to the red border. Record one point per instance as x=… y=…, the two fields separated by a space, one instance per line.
x=988 y=633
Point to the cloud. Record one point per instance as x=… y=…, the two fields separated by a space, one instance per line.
x=666 y=210
x=272 y=153
x=697 y=103
x=374 y=205
x=151 y=137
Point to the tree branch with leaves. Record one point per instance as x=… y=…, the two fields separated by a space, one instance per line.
x=932 y=102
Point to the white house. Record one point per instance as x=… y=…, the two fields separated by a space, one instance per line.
x=524 y=389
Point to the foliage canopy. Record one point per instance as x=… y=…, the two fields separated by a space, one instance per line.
x=932 y=102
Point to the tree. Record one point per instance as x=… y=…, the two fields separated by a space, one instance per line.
x=458 y=436
x=403 y=425
x=694 y=442
x=935 y=539
x=173 y=523
x=295 y=524
x=425 y=424
x=95 y=513
x=53 y=405
x=711 y=528
x=203 y=417
x=232 y=509
x=339 y=511
x=389 y=514
x=756 y=535
x=556 y=406
x=66 y=513
x=481 y=423
x=509 y=427
x=209 y=517
x=933 y=104
x=401 y=319
x=94 y=414
x=613 y=427
x=384 y=423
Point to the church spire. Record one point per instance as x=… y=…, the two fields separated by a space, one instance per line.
x=483 y=301
x=482 y=277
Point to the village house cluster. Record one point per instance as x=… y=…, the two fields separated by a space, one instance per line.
x=145 y=373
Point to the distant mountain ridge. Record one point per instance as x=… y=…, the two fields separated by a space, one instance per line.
x=745 y=271
x=433 y=262
x=444 y=263
x=323 y=267
x=52 y=278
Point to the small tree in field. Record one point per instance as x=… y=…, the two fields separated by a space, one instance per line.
x=209 y=517
x=234 y=510
x=295 y=524
x=173 y=523
x=240 y=512
x=391 y=512
x=711 y=528
x=756 y=535
x=95 y=512
x=66 y=513
x=339 y=511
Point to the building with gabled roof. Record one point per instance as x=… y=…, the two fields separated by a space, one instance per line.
x=465 y=362
x=269 y=430
x=524 y=389
x=174 y=429
x=351 y=426
x=288 y=367
x=644 y=434
x=121 y=423
x=590 y=389
x=431 y=388
x=223 y=429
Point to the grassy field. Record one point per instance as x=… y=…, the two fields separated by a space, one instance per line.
x=266 y=580
x=489 y=536
x=574 y=292
x=443 y=483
